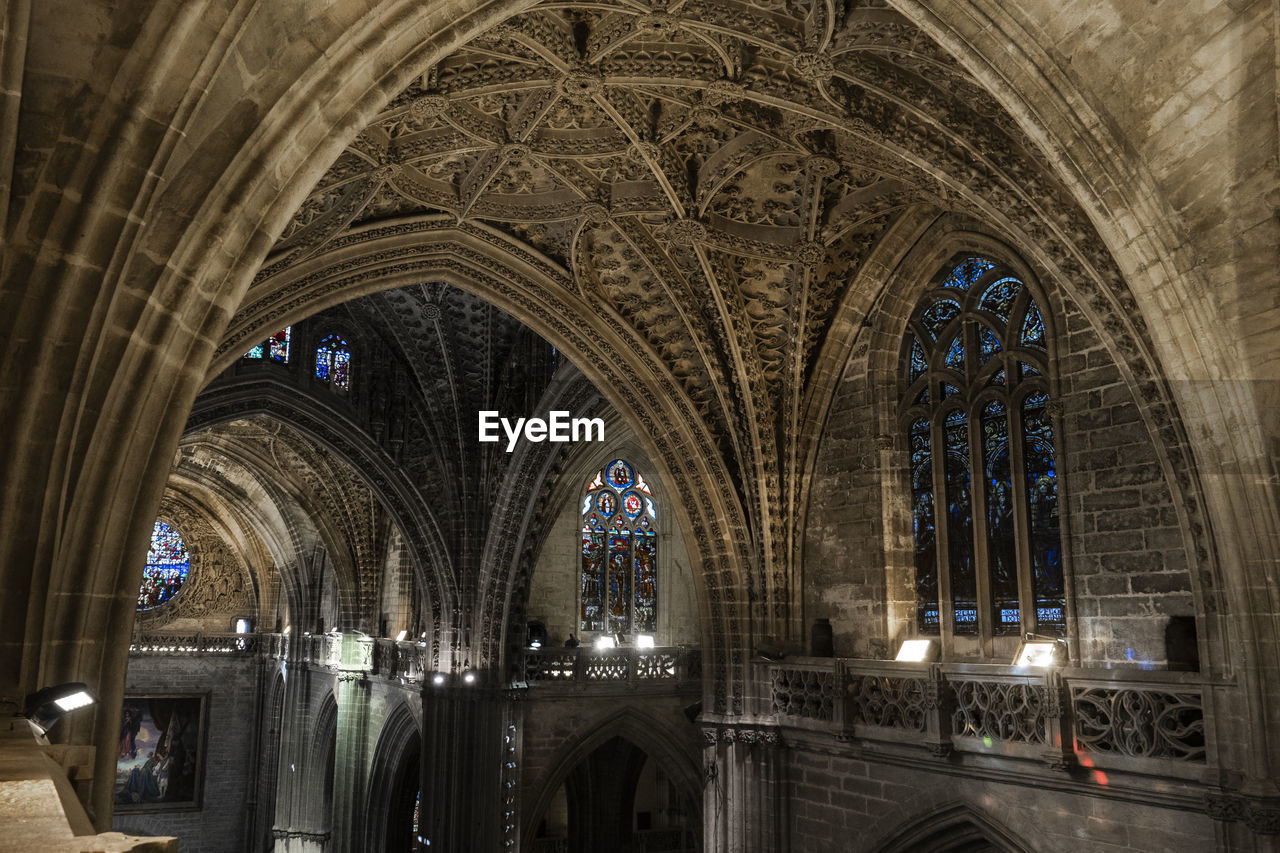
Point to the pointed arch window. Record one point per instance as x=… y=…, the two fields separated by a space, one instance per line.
x=333 y=362
x=984 y=483
x=168 y=563
x=275 y=348
x=619 y=584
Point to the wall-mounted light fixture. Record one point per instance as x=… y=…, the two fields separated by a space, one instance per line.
x=1039 y=651
x=605 y=642
x=45 y=707
x=438 y=679
x=915 y=651
x=469 y=677
x=400 y=637
x=644 y=641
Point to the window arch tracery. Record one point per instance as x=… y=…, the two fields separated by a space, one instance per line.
x=333 y=362
x=984 y=488
x=618 y=591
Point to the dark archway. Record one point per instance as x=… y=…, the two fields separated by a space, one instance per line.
x=619 y=798
x=955 y=828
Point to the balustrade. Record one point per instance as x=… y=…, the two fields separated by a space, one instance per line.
x=622 y=666
x=1148 y=722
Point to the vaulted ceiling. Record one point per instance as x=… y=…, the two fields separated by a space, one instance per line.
x=711 y=177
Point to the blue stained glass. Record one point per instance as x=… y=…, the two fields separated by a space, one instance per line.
x=964 y=578
x=619 y=582
x=646 y=562
x=256 y=352
x=949 y=391
x=955 y=355
x=988 y=344
x=168 y=563
x=938 y=315
x=333 y=362
x=923 y=397
x=1002 y=561
x=1027 y=369
x=926 y=549
x=1042 y=511
x=967 y=272
x=1033 y=327
x=591 y=617
x=997 y=378
x=632 y=504
x=999 y=297
x=618 y=474
x=620 y=553
x=918 y=363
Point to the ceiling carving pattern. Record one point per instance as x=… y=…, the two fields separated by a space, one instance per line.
x=711 y=174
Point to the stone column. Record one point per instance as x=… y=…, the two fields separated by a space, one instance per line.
x=745 y=792
x=296 y=826
x=464 y=738
x=350 y=766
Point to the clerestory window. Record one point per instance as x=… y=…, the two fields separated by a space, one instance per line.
x=619 y=584
x=984 y=483
x=333 y=362
x=275 y=347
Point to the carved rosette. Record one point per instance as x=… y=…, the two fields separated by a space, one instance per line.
x=811 y=253
x=812 y=66
x=580 y=87
x=428 y=106
x=686 y=233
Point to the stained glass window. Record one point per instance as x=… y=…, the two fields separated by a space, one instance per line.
x=168 y=563
x=333 y=362
x=982 y=458
x=275 y=347
x=619 y=586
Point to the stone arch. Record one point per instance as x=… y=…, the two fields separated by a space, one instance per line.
x=399 y=741
x=954 y=828
x=318 y=786
x=243 y=396
x=1146 y=237
x=651 y=735
x=622 y=366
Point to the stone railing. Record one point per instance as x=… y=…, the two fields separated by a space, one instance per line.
x=1138 y=721
x=620 y=666
x=196 y=644
x=407 y=661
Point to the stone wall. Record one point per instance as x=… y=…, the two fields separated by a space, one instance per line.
x=848 y=805
x=232 y=691
x=1122 y=539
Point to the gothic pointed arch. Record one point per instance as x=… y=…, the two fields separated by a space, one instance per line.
x=954 y=828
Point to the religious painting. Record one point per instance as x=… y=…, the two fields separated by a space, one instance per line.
x=160 y=753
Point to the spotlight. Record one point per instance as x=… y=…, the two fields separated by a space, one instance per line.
x=1036 y=652
x=287 y=629
x=437 y=679
x=242 y=626
x=644 y=641
x=535 y=644
x=469 y=677
x=605 y=642
x=45 y=707
x=400 y=637
x=915 y=651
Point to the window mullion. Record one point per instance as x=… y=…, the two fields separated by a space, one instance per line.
x=938 y=451
x=978 y=512
x=1021 y=524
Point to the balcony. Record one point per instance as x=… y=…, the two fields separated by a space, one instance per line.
x=1126 y=721
x=653 y=669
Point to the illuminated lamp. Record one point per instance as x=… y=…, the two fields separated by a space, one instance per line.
x=644 y=641
x=437 y=679
x=605 y=642
x=45 y=707
x=916 y=651
x=400 y=637
x=1038 y=652
x=469 y=677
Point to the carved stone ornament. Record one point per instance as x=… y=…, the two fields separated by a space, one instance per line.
x=595 y=213
x=813 y=66
x=811 y=253
x=428 y=106
x=722 y=92
x=884 y=442
x=822 y=167
x=580 y=87
x=686 y=232
x=658 y=25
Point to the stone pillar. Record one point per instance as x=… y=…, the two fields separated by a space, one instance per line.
x=745 y=793
x=296 y=826
x=350 y=766
x=464 y=749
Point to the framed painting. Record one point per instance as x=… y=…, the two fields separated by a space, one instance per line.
x=160 y=756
